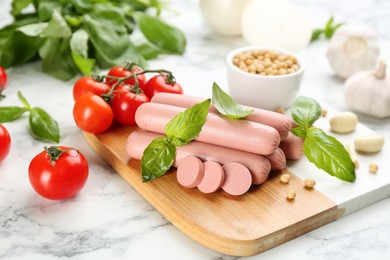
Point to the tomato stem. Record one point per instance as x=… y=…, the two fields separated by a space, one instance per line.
x=55 y=153
x=169 y=79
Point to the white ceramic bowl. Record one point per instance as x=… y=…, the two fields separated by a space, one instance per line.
x=261 y=91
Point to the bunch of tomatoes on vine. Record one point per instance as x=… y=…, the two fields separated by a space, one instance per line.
x=103 y=99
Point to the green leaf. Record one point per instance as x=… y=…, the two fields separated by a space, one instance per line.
x=305 y=111
x=161 y=34
x=43 y=126
x=57 y=59
x=111 y=16
x=33 y=30
x=57 y=27
x=299 y=131
x=149 y=51
x=19 y=5
x=329 y=24
x=111 y=48
x=19 y=49
x=226 y=105
x=157 y=158
x=8 y=114
x=316 y=34
x=329 y=34
x=329 y=155
x=79 y=48
x=188 y=124
x=46 y=9
x=72 y=20
x=82 y=6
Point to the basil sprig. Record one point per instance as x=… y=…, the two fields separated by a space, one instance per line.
x=325 y=151
x=328 y=31
x=226 y=105
x=160 y=154
x=42 y=125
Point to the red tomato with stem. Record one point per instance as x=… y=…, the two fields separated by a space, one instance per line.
x=5 y=143
x=120 y=71
x=158 y=84
x=92 y=113
x=125 y=103
x=89 y=85
x=58 y=172
x=3 y=80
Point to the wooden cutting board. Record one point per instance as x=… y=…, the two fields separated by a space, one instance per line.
x=245 y=225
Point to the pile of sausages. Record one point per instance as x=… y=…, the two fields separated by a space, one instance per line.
x=246 y=150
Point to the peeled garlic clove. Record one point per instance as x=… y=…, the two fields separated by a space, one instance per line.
x=343 y=123
x=369 y=143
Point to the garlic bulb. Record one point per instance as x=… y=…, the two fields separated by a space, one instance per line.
x=352 y=49
x=368 y=92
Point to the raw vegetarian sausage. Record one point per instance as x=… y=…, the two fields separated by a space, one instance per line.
x=277 y=160
x=258 y=165
x=292 y=147
x=190 y=171
x=213 y=177
x=238 y=134
x=276 y=120
x=238 y=179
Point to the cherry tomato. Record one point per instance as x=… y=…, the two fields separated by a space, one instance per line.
x=120 y=71
x=89 y=85
x=5 y=143
x=3 y=80
x=58 y=172
x=125 y=104
x=158 y=84
x=92 y=113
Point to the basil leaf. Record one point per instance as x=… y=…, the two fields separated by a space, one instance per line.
x=161 y=34
x=157 y=158
x=56 y=58
x=187 y=124
x=82 y=6
x=79 y=50
x=19 y=5
x=46 y=9
x=8 y=114
x=33 y=30
x=226 y=105
x=328 y=154
x=110 y=15
x=149 y=51
x=111 y=48
x=305 y=111
x=57 y=27
x=43 y=126
x=299 y=131
x=19 y=49
x=316 y=34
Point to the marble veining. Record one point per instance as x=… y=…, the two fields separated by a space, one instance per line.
x=110 y=220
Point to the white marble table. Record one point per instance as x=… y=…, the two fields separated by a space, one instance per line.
x=109 y=220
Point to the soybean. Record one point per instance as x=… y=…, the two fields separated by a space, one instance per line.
x=266 y=62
